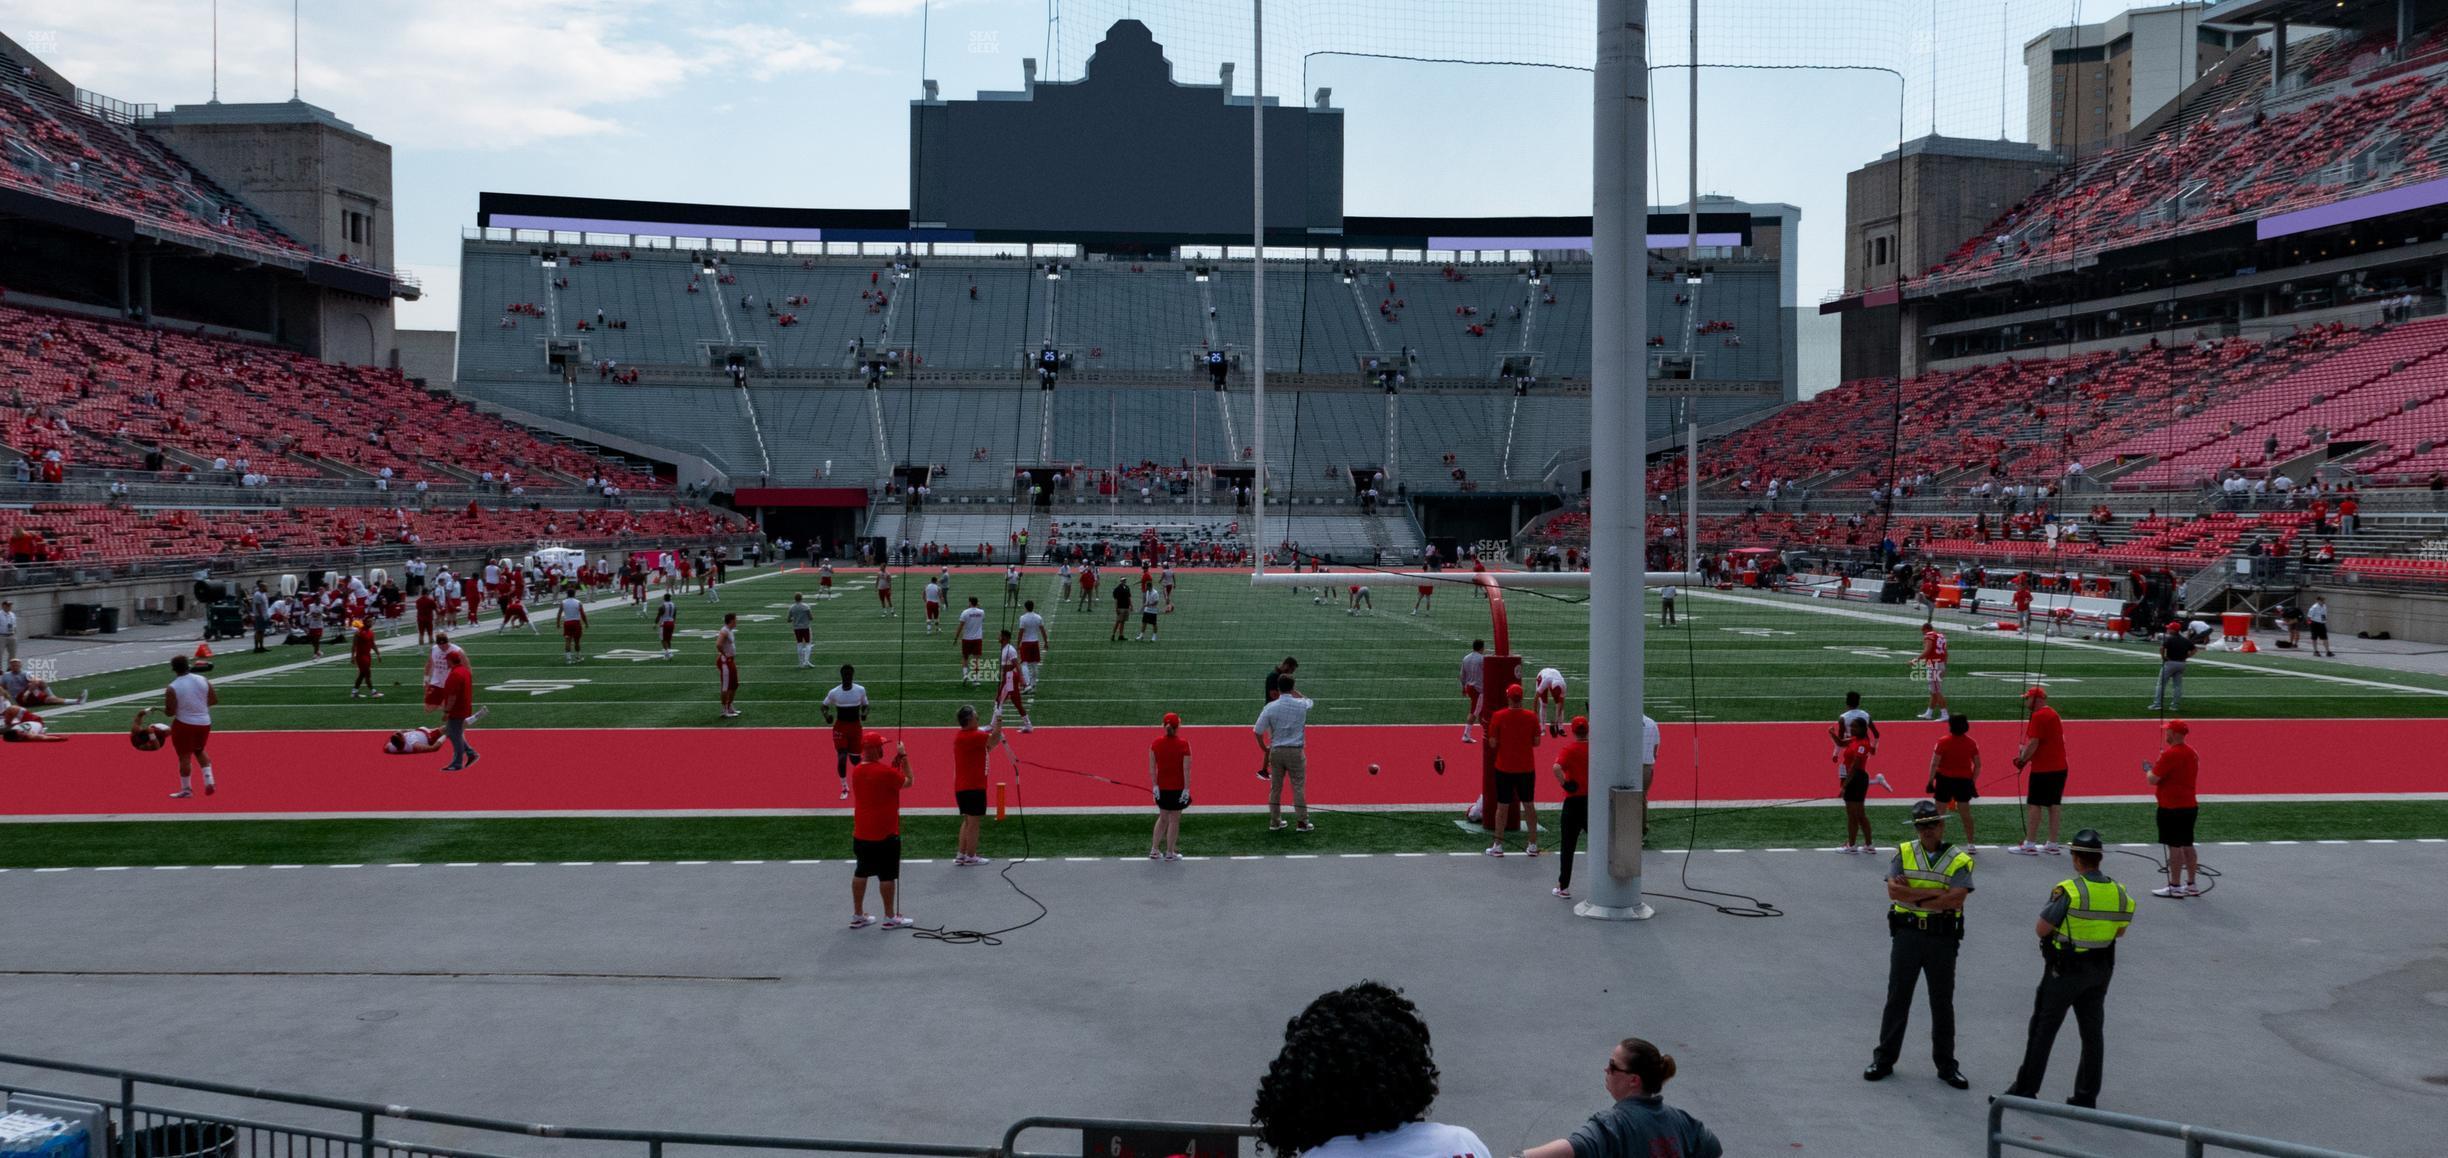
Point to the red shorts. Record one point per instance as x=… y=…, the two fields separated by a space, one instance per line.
x=365 y=664
x=188 y=739
x=799 y=635
x=667 y=633
x=726 y=676
x=425 y=621
x=571 y=629
x=1471 y=694
x=933 y=608
x=973 y=647
x=1029 y=651
x=884 y=594
x=314 y=635
x=1427 y=589
x=433 y=696
x=827 y=581
x=846 y=739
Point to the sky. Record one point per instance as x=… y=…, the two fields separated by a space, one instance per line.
x=805 y=102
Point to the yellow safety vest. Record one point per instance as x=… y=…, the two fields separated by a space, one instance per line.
x=2095 y=912
x=1930 y=875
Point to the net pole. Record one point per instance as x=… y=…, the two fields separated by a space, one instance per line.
x=1691 y=500
x=1619 y=389
x=1258 y=478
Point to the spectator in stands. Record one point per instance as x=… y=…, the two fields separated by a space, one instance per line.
x=1354 y=1079
x=1640 y=1124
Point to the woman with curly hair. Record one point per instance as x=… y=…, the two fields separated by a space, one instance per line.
x=1354 y=1080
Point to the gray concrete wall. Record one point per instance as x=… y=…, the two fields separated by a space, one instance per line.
x=432 y=355
x=2404 y=615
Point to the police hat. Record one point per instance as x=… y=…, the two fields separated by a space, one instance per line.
x=2088 y=840
x=1926 y=812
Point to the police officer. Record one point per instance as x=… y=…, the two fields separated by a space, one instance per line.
x=1928 y=881
x=2086 y=914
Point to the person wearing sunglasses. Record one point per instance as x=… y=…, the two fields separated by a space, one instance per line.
x=1640 y=1124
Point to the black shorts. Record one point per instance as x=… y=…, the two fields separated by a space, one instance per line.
x=1147 y=617
x=1856 y=787
x=2046 y=790
x=2320 y=631
x=970 y=801
x=1947 y=789
x=2176 y=826
x=1168 y=800
x=1515 y=787
x=799 y=634
x=880 y=859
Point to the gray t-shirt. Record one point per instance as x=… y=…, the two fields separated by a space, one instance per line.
x=1644 y=1127
x=801 y=615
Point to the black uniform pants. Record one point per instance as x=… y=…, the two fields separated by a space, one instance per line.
x=2081 y=985
x=1912 y=952
x=1576 y=822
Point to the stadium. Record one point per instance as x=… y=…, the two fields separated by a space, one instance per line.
x=1196 y=518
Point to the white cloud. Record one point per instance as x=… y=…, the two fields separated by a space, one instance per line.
x=883 y=7
x=436 y=74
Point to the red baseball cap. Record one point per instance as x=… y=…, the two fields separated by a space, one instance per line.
x=1172 y=719
x=2177 y=726
x=1513 y=691
x=2035 y=693
x=1580 y=725
x=874 y=744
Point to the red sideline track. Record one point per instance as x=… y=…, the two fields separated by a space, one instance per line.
x=720 y=769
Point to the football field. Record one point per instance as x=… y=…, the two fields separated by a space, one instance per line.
x=624 y=751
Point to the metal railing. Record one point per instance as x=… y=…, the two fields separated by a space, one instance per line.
x=2198 y=1140
x=142 y=1129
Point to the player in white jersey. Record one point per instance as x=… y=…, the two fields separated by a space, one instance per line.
x=726 y=663
x=973 y=643
x=1033 y=640
x=1167 y=580
x=1011 y=585
x=1064 y=573
x=1011 y=689
x=713 y=580
x=1474 y=666
x=667 y=620
x=884 y=591
x=419 y=741
x=1551 y=701
x=934 y=594
x=1151 y=605
x=573 y=623
x=1360 y=598
x=824 y=579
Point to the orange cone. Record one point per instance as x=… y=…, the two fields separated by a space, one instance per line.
x=2250 y=648
x=203 y=651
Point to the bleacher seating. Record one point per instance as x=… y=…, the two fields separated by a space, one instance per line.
x=2233 y=162
x=115 y=385
x=2412 y=570
x=49 y=146
x=77 y=533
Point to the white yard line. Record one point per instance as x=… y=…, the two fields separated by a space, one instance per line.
x=1812 y=608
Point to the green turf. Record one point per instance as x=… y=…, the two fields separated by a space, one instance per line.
x=1753 y=658
x=784 y=838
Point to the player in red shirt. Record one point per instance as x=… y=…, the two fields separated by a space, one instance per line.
x=2043 y=758
x=362 y=650
x=875 y=830
x=1954 y=774
x=2172 y=777
x=1571 y=770
x=1853 y=769
x=514 y=611
x=1169 y=778
x=1932 y=664
x=1424 y=603
x=1513 y=731
x=971 y=746
x=2022 y=605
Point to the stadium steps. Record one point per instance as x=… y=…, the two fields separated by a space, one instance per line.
x=875 y=423
x=756 y=430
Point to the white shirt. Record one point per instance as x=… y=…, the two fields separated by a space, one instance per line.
x=973 y=623
x=1667 y=592
x=1472 y=665
x=1409 y=1140
x=667 y=612
x=1284 y=720
x=1011 y=656
x=934 y=594
x=8 y=623
x=572 y=610
x=842 y=699
x=191 y=694
x=1032 y=627
x=437 y=665
x=1649 y=740
x=1844 y=722
x=2317 y=613
x=724 y=647
x=1154 y=602
x=1550 y=678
